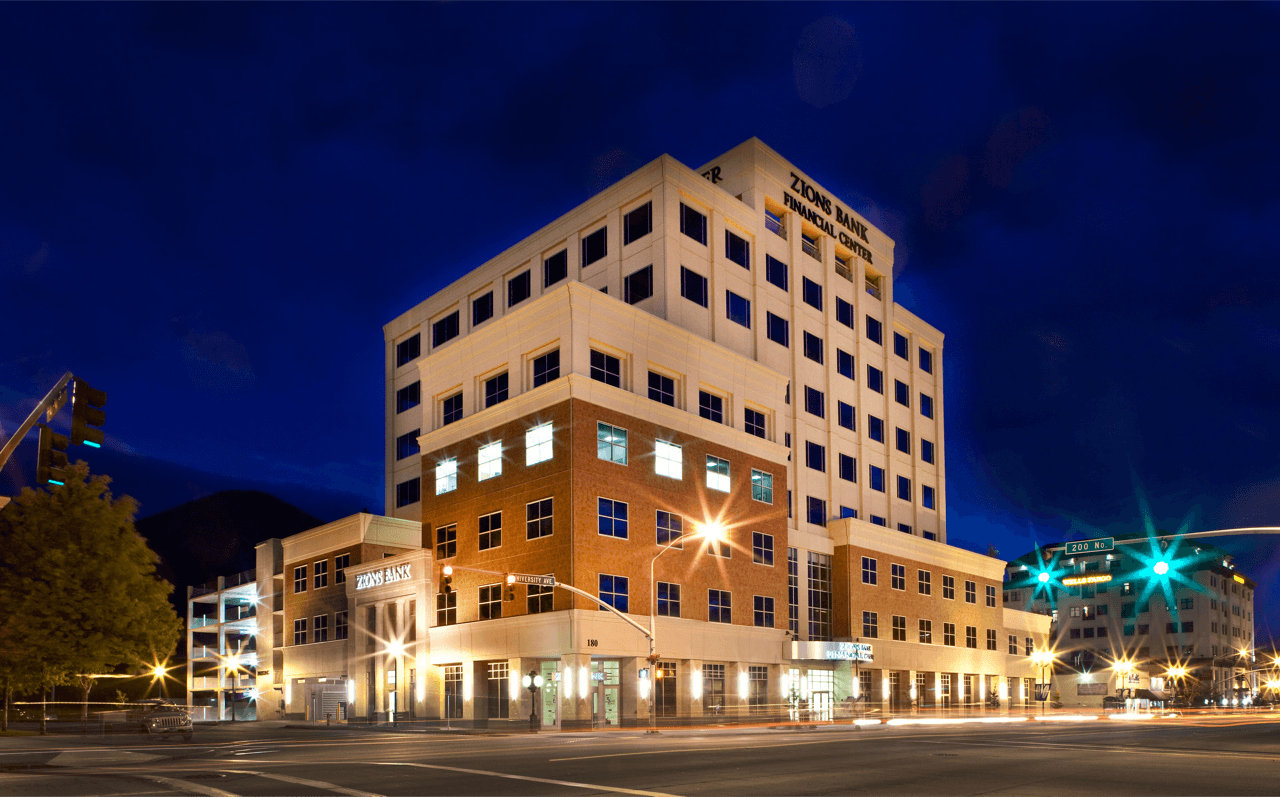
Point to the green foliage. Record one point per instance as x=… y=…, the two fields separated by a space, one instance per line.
x=78 y=589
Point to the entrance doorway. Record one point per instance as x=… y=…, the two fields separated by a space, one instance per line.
x=605 y=699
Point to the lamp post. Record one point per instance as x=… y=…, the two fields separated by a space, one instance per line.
x=533 y=682
x=1177 y=675
x=1042 y=659
x=233 y=672
x=707 y=531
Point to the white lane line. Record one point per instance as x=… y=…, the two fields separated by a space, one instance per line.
x=709 y=749
x=315 y=784
x=184 y=787
x=592 y=786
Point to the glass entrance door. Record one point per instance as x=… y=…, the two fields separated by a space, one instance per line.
x=605 y=699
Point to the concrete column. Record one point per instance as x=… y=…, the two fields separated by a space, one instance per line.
x=575 y=691
x=520 y=697
x=691 y=681
x=913 y=702
x=884 y=696
x=629 y=703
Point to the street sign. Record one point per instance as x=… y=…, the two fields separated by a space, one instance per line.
x=1091 y=546
x=1042 y=692
x=541 y=581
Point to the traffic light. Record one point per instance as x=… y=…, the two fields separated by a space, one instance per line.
x=446 y=579
x=53 y=457
x=510 y=593
x=87 y=416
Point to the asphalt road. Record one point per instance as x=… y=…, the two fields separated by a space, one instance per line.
x=1182 y=756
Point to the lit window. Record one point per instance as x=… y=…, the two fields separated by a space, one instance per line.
x=447 y=476
x=717 y=474
x=762 y=486
x=537 y=444
x=668 y=460
x=611 y=443
x=490 y=461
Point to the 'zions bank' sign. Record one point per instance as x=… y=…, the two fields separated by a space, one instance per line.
x=822 y=202
x=377 y=578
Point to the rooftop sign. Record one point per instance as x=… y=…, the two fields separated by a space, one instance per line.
x=1096 y=578
x=377 y=578
x=1091 y=546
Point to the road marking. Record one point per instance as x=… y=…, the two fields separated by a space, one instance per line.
x=97 y=758
x=708 y=749
x=593 y=786
x=185 y=787
x=315 y=784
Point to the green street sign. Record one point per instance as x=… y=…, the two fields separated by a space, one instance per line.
x=1091 y=546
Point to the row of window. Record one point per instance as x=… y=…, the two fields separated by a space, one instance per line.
x=924 y=582
x=871 y=630
x=817 y=514
x=319 y=631
x=320 y=573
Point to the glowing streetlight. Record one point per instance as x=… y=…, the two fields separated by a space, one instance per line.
x=1160 y=568
x=1044 y=578
x=1042 y=659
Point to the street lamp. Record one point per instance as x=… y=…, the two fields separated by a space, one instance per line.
x=533 y=682
x=1042 y=659
x=715 y=533
x=233 y=672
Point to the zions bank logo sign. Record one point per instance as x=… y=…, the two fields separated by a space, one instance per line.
x=377 y=578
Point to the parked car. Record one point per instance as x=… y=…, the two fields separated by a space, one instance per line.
x=163 y=718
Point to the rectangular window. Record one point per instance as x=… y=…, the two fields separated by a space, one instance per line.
x=926 y=496
x=926 y=360
x=875 y=379
x=793 y=591
x=1030 y=646
x=537 y=444
x=451 y=409
x=845 y=416
x=340 y=625
x=546 y=368
x=904 y=440
x=904 y=488
x=899 y=628
x=926 y=632
x=877 y=479
x=817 y=511
x=900 y=345
x=662 y=389
x=949 y=634
x=495 y=390
x=670 y=527
x=340 y=564
x=815 y=403
x=519 y=288
x=447 y=541
x=606 y=368
x=904 y=528
x=926 y=451
x=815 y=456
x=489 y=461
x=869 y=574
x=668 y=599
x=875 y=332
x=481 y=309
x=898 y=576
x=844 y=363
x=638 y=285
x=407 y=444
x=901 y=393
x=321 y=631
x=848 y=468
x=595 y=246
x=762 y=548
x=763 y=616
x=300 y=632
x=737 y=250
x=668 y=460
x=812 y=293
x=612 y=517
x=638 y=223
x=408 y=492
x=611 y=443
x=970 y=592
x=991 y=639
x=717 y=474
x=819 y=596
x=737 y=309
x=614 y=591
x=713 y=688
x=446 y=476
x=693 y=224
x=870 y=625
x=879 y=521
x=447 y=613
x=777 y=329
x=926 y=406
x=539 y=599
x=775 y=272
x=409 y=350
x=693 y=286
x=555 y=268
x=991 y=596
x=408 y=397
x=299 y=579
x=924 y=582
x=844 y=312
x=719 y=606
x=753 y=422
x=762 y=486
x=444 y=330
x=813 y=347
x=711 y=406
x=538 y=519
x=970 y=637
x=949 y=587
x=490 y=602
x=321 y=578
x=490 y=531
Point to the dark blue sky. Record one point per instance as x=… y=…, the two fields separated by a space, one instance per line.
x=209 y=211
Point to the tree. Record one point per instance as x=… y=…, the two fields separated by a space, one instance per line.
x=78 y=590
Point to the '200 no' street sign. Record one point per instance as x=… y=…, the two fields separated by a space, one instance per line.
x=1091 y=546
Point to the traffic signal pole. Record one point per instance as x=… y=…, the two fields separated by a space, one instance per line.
x=50 y=404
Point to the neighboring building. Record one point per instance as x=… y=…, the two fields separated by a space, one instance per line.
x=1121 y=626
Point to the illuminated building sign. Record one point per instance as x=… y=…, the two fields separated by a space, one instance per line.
x=847 y=651
x=1096 y=578
x=1238 y=579
x=377 y=578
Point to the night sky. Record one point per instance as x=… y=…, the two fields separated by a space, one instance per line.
x=210 y=211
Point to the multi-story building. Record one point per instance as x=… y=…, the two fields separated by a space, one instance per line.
x=691 y=398
x=1147 y=613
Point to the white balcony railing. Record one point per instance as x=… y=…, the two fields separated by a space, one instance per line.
x=775 y=225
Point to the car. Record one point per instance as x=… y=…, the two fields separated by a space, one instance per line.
x=1112 y=702
x=163 y=718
